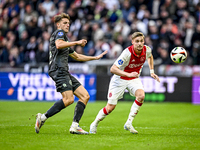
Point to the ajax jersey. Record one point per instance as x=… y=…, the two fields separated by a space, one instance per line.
x=129 y=62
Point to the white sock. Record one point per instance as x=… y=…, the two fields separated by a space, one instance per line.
x=134 y=110
x=75 y=124
x=101 y=115
x=43 y=117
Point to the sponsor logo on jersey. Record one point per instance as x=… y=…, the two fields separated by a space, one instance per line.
x=120 y=62
x=60 y=33
x=133 y=60
x=135 y=65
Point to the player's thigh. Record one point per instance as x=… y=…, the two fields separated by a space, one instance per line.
x=116 y=90
x=135 y=85
x=63 y=83
x=82 y=94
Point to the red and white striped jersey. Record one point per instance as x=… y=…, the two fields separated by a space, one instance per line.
x=128 y=61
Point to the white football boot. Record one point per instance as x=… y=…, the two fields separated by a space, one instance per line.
x=93 y=128
x=130 y=128
x=39 y=123
x=77 y=130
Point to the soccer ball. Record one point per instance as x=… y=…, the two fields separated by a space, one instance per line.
x=178 y=55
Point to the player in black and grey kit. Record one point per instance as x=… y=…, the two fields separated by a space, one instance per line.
x=66 y=84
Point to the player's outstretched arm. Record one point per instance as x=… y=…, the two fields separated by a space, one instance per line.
x=115 y=70
x=80 y=57
x=151 y=66
x=63 y=44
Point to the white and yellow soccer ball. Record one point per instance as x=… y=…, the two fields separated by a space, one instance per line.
x=178 y=55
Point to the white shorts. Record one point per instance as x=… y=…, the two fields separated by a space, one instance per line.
x=117 y=87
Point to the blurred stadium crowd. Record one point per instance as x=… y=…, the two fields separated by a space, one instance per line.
x=26 y=26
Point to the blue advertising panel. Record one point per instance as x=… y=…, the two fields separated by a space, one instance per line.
x=38 y=86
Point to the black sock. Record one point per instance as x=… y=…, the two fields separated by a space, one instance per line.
x=57 y=107
x=78 y=112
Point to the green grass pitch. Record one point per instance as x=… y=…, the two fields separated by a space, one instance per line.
x=161 y=126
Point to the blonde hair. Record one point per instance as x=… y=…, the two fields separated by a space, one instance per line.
x=137 y=34
x=59 y=17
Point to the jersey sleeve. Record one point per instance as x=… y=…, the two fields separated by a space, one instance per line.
x=123 y=58
x=60 y=35
x=71 y=51
x=148 y=53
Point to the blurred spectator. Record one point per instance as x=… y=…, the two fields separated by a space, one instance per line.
x=14 y=58
x=122 y=28
x=33 y=29
x=22 y=10
x=164 y=55
x=197 y=14
x=97 y=32
x=1 y=40
x=154 y=7
x=41 y=55
x=4 y=56
x=196 y=34
x=101 y=46
x=100 y=10
x=185 y=19
x=196 y=53
x=127 y=10
x=13 y=9
x=47 y=5
x=114 y=14
x=106 y=24
x=181 y=6
x=115 y=51
x=30 y=14
x=141 y=12
x=43 y=17
x=46 y=37
x=31 y=49
x=112 y=4
x=169 y=6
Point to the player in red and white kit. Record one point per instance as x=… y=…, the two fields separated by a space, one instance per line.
x=126 y=70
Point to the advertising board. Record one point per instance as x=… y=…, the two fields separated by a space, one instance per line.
x=38 y=86
x=196 y=90
x=170 y=88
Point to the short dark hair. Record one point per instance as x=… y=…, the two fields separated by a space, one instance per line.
x=59 y=17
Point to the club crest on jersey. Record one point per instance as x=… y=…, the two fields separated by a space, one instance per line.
x=110 y=94
x=142 y=59
x=60 y=33
x=120 y=62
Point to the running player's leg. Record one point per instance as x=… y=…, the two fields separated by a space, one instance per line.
x=65 y=88
x=115 y=92
x=135 y=89
x=100 y=116
x=84 y=97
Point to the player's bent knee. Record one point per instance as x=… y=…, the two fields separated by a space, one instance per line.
x=68 y=101
x=140 y=98
x=86 y=97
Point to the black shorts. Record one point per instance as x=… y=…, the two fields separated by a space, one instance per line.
x=65 y=82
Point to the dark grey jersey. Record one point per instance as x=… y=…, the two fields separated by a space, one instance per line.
x=58 y=58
